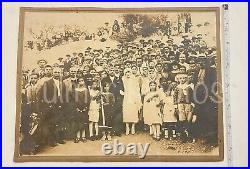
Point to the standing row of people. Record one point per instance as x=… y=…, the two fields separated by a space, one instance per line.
x=139 y=86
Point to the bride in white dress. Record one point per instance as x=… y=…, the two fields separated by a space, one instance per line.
x=132 y=101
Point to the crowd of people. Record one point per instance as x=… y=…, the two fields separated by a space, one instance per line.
x=49 y=40
x=161 y=88
x=118 y=30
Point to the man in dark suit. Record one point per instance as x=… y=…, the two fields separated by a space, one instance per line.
x=70 y=84
x=116 y=85
x=207 y=103
x=52 y=96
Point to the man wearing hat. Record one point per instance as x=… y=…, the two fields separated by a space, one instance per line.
x=150 y=41
x=80 y=59
x=203 y=51
x=170 y=42
x=185 y=40
x=174 y=50
x=145 y=44
x=174 y=71
x=150 y=50
x=130 y=54
x=161 y=45
x=88 y=49
x=141 y=51
x=41 y=63
x=41 y=66
x=166 y=51
x=141 y=41
x=194 y=40
x=193 y=69
x=164 y=80
x=200 y=41
x=145 y=58
x=67 y=63
x=74 y=61
x=61 y=63
x=119 y=46
x=127 y=64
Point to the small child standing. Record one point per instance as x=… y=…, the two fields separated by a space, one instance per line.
x=108 y=101
x=152 y=110
x=169 y=112
x=183 y=101
x=81 y=112
x=94 y=108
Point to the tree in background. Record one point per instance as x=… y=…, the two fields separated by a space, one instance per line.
x=139 y=25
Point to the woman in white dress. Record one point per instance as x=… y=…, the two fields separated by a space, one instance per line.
x=132 y=101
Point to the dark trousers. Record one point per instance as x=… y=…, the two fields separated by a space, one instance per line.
x=53 y=124
x=117 y=120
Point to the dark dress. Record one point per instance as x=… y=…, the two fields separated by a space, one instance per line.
x=82 y=100
x=108 y=107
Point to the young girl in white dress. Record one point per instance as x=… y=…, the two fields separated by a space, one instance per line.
x=169 y=112
x=94 y=108
x=152 y=110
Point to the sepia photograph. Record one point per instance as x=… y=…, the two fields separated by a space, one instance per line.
x=119 y=84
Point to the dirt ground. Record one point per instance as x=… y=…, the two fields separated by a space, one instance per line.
x=162 y=147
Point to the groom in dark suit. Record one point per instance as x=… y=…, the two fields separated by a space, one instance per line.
x=52 y=95
x=116 y=85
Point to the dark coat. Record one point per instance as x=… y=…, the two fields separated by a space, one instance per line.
x=49 y=93
x=67 y=66
x=52 y=104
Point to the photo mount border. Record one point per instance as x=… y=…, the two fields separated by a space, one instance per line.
x=123 y=158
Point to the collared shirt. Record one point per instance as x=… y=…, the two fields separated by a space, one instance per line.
x=112 y=78
x=191 y=85
x=58 y=86
x=117 y=75
x=201 y=75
